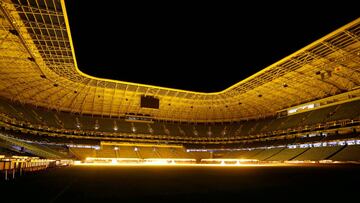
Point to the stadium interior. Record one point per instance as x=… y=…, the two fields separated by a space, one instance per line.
x=302 y=109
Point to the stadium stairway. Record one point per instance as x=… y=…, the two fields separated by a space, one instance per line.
x=333 y=154
x=276 y=153
x=348 y=153
x=294 y=158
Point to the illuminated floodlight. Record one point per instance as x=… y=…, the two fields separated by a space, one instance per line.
x=77 y=162
x=157 y=162
x=229 y=162
x=115 y=126
x=89 y=159
x=151 y=130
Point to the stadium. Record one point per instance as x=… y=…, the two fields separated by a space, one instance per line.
x=300 y=113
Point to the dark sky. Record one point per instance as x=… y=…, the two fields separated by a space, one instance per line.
x=202 y=47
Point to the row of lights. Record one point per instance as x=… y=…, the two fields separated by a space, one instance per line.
x=135 y=149
x=133 y=128
x=116 y=128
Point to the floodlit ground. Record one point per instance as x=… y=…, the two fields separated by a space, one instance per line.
x=186 y=184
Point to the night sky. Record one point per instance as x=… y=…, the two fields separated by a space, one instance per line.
x=202 y=47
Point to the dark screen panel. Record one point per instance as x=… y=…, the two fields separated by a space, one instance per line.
x=149 y=102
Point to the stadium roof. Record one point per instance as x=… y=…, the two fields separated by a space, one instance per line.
x=38 y=66
x=193 y=46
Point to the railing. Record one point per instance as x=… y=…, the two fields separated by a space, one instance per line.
x=9 y=169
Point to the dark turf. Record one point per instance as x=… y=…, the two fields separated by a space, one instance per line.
x=185 y=184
